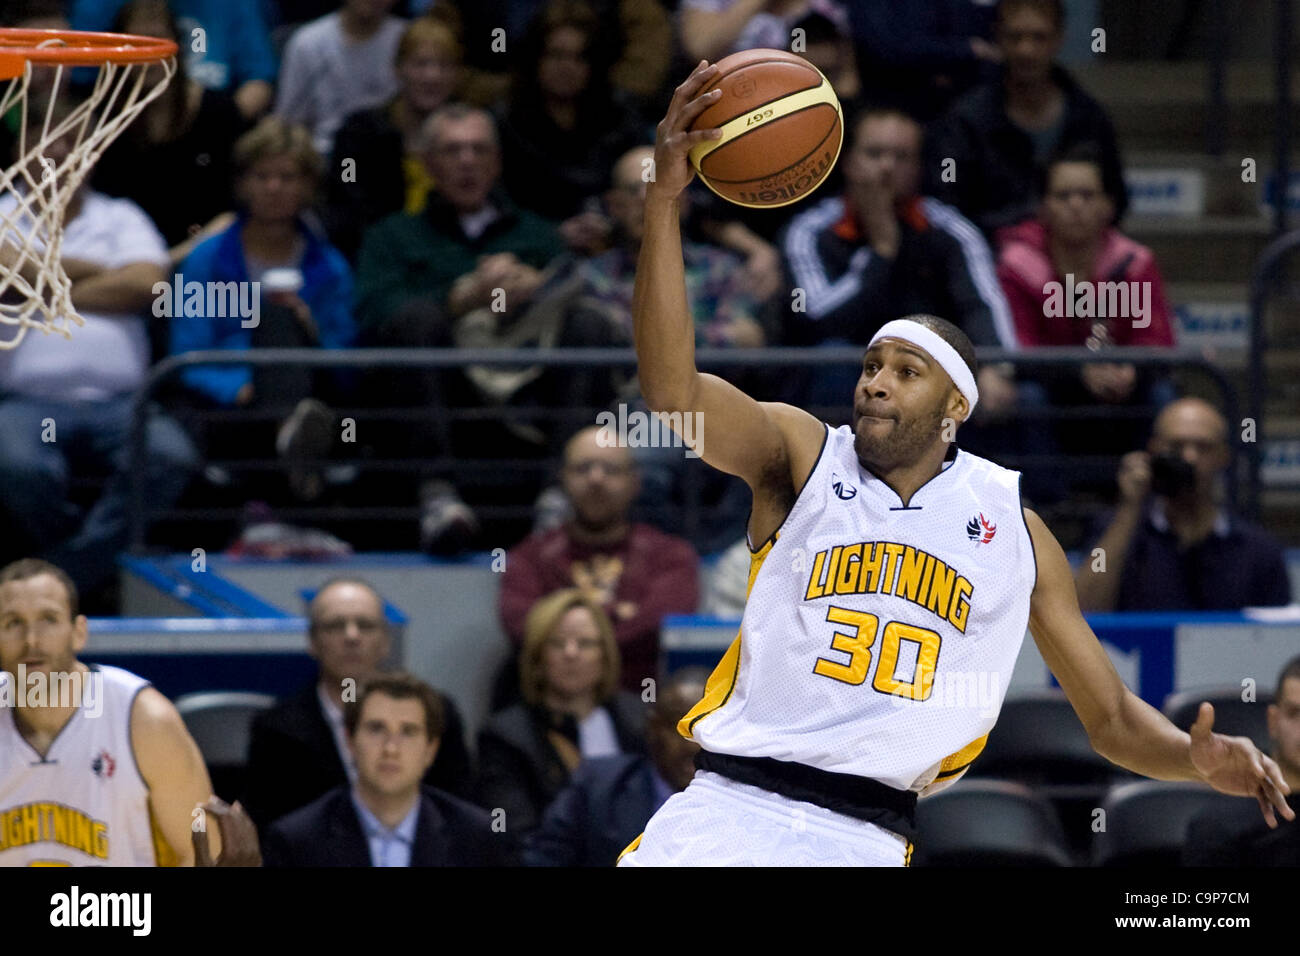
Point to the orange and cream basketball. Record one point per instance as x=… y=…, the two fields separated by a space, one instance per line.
x=782 y=128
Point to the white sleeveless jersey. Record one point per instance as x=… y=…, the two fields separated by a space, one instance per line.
x=878 y=640
x=84 y=803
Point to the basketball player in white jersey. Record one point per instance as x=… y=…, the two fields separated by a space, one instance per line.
x=112 y=781
x=891 y=574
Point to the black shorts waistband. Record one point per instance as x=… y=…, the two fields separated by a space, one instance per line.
x=857 y=797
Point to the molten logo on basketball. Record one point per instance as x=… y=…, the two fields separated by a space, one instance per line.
x=781 y=188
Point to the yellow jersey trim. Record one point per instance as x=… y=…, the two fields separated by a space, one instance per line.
x=718 y=688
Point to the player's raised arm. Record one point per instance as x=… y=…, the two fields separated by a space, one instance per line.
x=736 y=434
x=1122 y=727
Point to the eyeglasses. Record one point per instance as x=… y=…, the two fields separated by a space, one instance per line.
x=339 y=625
x=585 y=468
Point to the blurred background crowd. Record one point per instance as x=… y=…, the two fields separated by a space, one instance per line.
x=469 y=174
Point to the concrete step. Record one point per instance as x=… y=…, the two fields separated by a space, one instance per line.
x=1227 y=293
x=1216 y=249
x=1160 y=82
x=1162 y=106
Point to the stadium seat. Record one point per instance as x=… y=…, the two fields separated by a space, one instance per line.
x=220 y=723
x=1146 y=822
x=988 y=823
x=1038 y=740
x=1232 y=715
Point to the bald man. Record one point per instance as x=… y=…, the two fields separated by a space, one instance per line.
x=1172 y=543
x=636 y=572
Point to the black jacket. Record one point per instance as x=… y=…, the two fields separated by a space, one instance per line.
x=292 y=758
x=943 y=267
x=995 y=177
x=1241 y=838
x=607 y=803
x=374 y=143
x=327 y=832
x=519 y=769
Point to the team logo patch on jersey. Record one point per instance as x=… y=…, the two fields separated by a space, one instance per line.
x=842 y=491
x=979 y=530
x=103 y=765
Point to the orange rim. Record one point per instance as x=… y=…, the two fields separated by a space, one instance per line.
x=76 y=48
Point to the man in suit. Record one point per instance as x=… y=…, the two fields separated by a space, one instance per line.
x=1237 y=838
x=609 y=799
x=298 y=749
x=386 y=818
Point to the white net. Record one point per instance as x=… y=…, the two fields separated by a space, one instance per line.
x=61 y=131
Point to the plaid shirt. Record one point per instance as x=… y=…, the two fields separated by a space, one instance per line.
x=714 y=289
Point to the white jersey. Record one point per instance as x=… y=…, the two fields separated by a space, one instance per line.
x=878 y=640
x=84 y=803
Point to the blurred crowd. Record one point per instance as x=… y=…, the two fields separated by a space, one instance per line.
x=470 y=174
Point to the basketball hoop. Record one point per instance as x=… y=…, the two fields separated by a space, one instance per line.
x=35 y=189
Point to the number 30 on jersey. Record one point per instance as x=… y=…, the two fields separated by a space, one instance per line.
x=858 y=646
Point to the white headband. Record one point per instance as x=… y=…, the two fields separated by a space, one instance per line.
x=941 y=351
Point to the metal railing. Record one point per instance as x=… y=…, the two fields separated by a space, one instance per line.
x=770 y=359
x=1263 y=285
x=1282 y=124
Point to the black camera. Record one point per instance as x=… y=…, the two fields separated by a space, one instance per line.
x=1171 y=475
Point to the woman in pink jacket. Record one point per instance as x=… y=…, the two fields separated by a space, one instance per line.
x=1072 y=278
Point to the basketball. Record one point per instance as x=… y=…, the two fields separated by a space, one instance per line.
x=782 y=128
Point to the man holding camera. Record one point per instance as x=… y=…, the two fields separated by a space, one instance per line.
x=1171 y=543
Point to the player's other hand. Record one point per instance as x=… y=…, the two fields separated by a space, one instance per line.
x=1234 y=765
x=673 y=141
x=239 y=846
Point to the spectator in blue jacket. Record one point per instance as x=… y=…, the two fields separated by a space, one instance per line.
x=296 y=286
x=609 y=799
x=232 y=52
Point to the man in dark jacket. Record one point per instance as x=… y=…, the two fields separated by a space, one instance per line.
x=386 y=818
x=1240 y=838
x=298 y=749
x=609 y=799
x=920 y=55
x=1172 y=543
x=987 y=153
x=882 y=250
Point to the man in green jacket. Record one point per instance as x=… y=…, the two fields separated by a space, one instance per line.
x=470 y=247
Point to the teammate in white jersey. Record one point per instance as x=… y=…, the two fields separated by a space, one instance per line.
x=106 y=776
x=893 y=573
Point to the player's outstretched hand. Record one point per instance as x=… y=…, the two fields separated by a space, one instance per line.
x=239 y=846
x=673 y=138
x=1235 y=765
